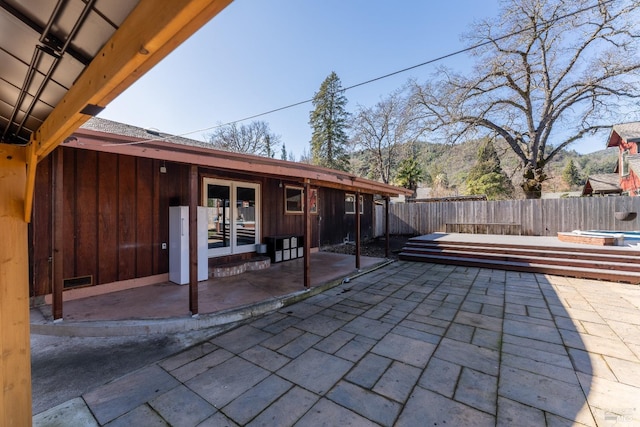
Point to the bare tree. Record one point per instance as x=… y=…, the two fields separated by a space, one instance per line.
x=253 y=138
x=548 y=72
x=381 y=131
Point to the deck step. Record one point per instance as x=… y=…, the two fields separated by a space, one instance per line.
x=619 y=264
x=544 y=258
x=587 y=249
x=632 y=277
x=622 y=256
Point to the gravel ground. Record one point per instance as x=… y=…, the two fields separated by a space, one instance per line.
x=373 y=248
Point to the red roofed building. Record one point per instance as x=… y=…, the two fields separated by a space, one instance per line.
x=625 y=179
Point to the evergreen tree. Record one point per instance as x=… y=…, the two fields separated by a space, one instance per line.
x=328 y=121
x=283 y=153
x=571 y=175
x=268 y=146
x=487 y=177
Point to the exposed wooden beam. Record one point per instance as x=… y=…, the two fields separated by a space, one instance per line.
x=32 y=164
x=15 y=353
x=150 y=32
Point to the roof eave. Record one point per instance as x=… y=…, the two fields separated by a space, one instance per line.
x=208 y=157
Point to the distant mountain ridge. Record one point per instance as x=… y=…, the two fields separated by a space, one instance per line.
x=456 y=161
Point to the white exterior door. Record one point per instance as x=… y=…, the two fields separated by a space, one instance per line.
x=233 y=216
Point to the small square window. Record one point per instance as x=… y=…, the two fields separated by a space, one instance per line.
x=350 y=204
x=293 y=201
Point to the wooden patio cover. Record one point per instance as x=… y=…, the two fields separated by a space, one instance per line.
x=60 y=63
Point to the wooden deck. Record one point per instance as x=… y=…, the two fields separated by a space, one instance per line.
x=533 y=254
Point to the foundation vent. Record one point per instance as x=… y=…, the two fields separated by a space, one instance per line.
x=77 y=282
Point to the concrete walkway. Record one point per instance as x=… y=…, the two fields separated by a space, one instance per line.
x=409 y=345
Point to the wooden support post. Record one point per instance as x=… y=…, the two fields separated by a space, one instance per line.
x=32 y=163
x=193 y=240
x=386 y=227
x=58 y=234
x=15 y=350
x=307 y=235
x=358 y=230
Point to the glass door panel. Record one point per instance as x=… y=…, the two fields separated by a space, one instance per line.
x=218 y=216
x=233 y=216
x=245 y=224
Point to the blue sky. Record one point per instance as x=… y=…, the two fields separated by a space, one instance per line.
x=257 y=56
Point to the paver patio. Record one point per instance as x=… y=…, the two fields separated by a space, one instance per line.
x=409 y=344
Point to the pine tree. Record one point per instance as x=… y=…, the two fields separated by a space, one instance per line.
x=328 y=121
x=268 y=146
x=571 y=175
x=487 y=177
x=283 y=153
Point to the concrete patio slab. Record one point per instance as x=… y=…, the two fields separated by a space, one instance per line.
x=410 y=344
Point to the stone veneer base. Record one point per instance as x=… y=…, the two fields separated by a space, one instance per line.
x=236 y=268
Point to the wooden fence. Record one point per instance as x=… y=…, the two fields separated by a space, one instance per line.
x=544 y=217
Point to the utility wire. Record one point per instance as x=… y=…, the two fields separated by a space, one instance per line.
x=394 y=73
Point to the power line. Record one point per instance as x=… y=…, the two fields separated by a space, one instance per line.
x=394 y=73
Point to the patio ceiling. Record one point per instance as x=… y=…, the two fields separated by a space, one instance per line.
x=44 y=47
x=63 y=61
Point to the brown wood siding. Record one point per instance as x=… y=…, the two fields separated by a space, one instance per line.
x=69 y=214
x=275 y=222
x=156 y=249
x=41 y=242
x=144 y=215
x=108 y=218
x=116 y=211
x=86 y=213
x=127 y=218
x=335 y=224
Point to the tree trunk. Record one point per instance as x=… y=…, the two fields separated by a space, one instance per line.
x=532 y=182
x=532 y=189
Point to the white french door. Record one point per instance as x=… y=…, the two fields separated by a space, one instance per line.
x=233 y=216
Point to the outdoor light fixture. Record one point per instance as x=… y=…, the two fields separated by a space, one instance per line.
x=163 y=168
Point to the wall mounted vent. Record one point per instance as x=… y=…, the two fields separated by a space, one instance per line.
x=77 y=282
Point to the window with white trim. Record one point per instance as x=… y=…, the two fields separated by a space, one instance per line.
x=625 y=163
x=293 y=200
x=350 y=204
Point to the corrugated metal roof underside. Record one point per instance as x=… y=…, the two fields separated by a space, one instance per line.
x=44 y=47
